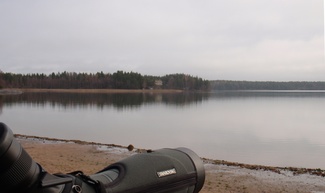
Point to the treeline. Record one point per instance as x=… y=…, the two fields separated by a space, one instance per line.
x=101 y=80
x=265 y=85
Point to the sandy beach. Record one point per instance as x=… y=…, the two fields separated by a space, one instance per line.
x=67 y=156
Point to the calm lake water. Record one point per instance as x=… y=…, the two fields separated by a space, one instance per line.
x=284 y=128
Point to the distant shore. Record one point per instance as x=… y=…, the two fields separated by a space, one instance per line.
x=102 y=90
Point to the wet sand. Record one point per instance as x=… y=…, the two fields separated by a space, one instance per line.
x=226 y=177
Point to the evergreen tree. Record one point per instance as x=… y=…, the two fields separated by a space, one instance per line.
x=100 y=80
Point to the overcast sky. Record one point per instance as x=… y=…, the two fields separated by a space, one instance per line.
x=277 y=40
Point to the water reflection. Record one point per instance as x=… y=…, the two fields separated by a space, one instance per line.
x=135 y=100
x=116 y=100
x=268 y=94
x=283 y=128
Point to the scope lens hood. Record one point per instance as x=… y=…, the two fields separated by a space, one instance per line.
x=197 y=162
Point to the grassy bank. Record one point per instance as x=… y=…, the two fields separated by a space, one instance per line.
x=10 y=91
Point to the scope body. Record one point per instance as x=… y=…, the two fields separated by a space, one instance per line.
x=166 y=170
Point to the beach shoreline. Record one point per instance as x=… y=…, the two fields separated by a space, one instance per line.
x=57 y=155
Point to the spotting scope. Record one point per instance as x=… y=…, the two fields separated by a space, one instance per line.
x=165 y=170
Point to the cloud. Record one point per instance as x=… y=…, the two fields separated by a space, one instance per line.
x=233 y=39
x=274 y=60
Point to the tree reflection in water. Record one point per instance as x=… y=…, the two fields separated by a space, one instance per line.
x=117 y=100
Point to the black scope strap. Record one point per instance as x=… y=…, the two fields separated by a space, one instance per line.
x=81 y=177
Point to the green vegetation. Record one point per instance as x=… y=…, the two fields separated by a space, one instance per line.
x=265 y=85
x=100 y=80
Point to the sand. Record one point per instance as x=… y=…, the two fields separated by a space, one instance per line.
x=64 y=156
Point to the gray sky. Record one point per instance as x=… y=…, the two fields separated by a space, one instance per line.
x=279 y=40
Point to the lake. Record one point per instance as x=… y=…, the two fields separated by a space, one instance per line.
x=278 y=128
